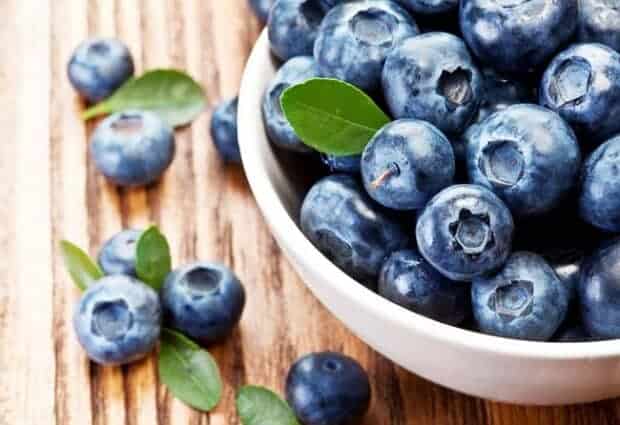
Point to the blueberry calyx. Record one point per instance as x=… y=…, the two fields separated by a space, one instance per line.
x=513 y=300
x=571 y=82
x=202 y=280
x=502 y=163
x=455 y=87
x=128 y=123
x=112 y=320
x=472 y=233
x=374 y=27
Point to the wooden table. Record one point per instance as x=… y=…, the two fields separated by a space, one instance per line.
x=50 y=190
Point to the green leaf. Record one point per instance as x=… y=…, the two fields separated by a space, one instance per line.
x=259 y=406
x=189 y=372
x=332 y=116
x=82 y=269
x=172 y=94
x=153 y=262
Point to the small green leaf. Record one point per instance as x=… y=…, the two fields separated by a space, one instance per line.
x=82 y=269
x=332 y=116
x=153 y=262
x=189 y=372
x=172 y=94
x=259 y=406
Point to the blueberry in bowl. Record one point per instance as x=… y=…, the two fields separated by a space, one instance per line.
x=293 y=27
x=355 y=37
x=348 y=164
x=118 y=254
x=261 y=9
x=599 y=22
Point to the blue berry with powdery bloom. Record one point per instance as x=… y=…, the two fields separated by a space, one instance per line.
x=118 y=254
x=339 y=218
x=408 y=280
x=98 y=67
x=203 y=300
x=527 y=155
x=432 y=77
x=524 y=300
x=328 y=389
x=599 y=22
x=406 y=163
x=293 y=27
x=132 y=148
x=465 y=231
x=280 y=132
x=354 y=39
x=582 y=84
x=348 y=164
x=224 y=131
x=430 y=7
x=118 y=320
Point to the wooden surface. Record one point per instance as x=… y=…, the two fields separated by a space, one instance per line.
x=50 y=190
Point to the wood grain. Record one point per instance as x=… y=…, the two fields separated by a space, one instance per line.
x=50 y=190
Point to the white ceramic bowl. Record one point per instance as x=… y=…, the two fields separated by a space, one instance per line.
x=494 y=368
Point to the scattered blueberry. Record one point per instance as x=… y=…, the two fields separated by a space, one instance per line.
x=203 y=300
x=599 y=22
x=132 y=148
x=406 y=163
x=224 y=131
x=582 y=84
x=349 y=164
x=118 y=320
x=98 y=67
x=524 y=300
x=527 y=155
x=411 y=282
x=339 y=218
x=517 y=36
x=118 y=254
x=261 y=9
x=432 y=77
x=280 y=132
x=354 y=39
x=328 y=389
x=465 y=231
x=599 y=200
x=293 y=26
x=428 y=7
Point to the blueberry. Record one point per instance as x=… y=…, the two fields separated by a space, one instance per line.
x=429 y=7
x=98 y=67
x=118 y=254
x=432 y=77
x=599 y=22
x=293 y=27
x=354 y=39
x=582 y=84
x=517 y=36
x=328 y=389
x=599 y=291
x=567 y=265
x=500 y=92
x=349 y=164
x=406 y=163
x=524 y=300
x=411 y=282
x=132 y=148
x=261 y=9
x=599 y=200
x=339 y=218
x=465 y=231
x=224 y=131
x=203 y=300
x=118 y=320
x=280 y=132
x=527 y=155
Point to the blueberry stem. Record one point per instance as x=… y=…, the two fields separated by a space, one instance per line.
x=393 y=170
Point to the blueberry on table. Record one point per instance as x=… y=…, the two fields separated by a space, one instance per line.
x=465 y=231
x=517 y=36
x=599 y=22
x=118 y=254
x=132 y=148
x=261 y=9
x=524 y=300
x=98 y=67
x=432 y=77
x=599 y=199
x=224 y=130
x=293 y=26
x=354 y=39
x=349 y=164
x=203 y=300
x=408 y=280
x=339 y=218
x=599 y=291
x=430 y=7
x=582 y=84
x=527 y=155
x=280 y=132
x=118 y=320
x=406 y=163
x=328 y=389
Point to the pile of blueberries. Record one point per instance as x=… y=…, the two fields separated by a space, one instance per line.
x=503 y=158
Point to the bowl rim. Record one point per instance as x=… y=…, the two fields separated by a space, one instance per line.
x=287 y=233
